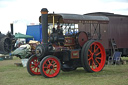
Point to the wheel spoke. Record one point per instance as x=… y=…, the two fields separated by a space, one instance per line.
x=97 y=61
x=91 y=47
x=45 y=67
x=94 y=64
x=6 y=44
x=96 y=49
x=89 y=58
x=36 y=60
x=55 y=66
x=54 y=69
x=49 y=62
x=34 y=69
x=46 y=64
x=98 y=53
x=98 y=58
x=49 y=71
x=89 y=55
x=90 y=51
x=52 y=61
x=37 y=70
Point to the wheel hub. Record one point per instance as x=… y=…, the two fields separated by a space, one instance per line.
x=36 y=64
x=94 y=56
x=51 y=67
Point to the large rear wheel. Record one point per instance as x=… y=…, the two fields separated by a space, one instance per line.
x=5 y=45
x=50 y=66
x=93 y=56
x=33 y=65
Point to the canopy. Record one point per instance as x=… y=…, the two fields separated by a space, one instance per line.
x=76 y=18
x=19 y=35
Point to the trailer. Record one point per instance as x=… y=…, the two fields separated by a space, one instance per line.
x=66 y=49
x=117 y=30
x=35 y=31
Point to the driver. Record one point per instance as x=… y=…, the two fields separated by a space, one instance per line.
x=59 y=29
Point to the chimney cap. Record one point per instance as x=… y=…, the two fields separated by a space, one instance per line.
x=44 y=10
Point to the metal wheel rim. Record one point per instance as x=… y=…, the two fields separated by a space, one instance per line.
x=96 y=56
x=51 y=67
x=34 y=66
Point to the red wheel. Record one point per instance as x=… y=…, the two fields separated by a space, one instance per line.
x=93 y=56
x=33 y=65
x=50 y=66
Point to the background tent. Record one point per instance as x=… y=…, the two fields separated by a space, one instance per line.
x=19 y=35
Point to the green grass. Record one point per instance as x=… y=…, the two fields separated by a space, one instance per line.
x=111 y=75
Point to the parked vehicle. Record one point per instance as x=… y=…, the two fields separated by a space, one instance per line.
x=67 y=51
x=7 y=43
x=116 y=30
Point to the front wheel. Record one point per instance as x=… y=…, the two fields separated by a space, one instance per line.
x=93 y=56
x=50 y=66
x=33 y=66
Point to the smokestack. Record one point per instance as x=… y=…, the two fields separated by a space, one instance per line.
x=11 y=25
x=44 y=21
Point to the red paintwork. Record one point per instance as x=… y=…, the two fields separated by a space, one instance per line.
x=51 y=67
x=34 y=66
x=82 y=38
x=69 y=41
x=96 y=63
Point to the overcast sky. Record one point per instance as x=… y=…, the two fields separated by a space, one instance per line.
x=24 y=12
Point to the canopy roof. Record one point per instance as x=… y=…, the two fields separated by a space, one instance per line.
x=76 y=18
x=19 y=35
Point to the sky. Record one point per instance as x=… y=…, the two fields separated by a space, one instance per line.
x=23 y=12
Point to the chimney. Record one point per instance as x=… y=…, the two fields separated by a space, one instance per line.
x=11 y=25
x=44 y=20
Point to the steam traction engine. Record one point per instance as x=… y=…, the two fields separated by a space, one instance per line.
x=6 y=43
x=69 y=51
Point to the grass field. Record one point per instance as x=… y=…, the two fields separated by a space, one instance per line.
x=111 y=75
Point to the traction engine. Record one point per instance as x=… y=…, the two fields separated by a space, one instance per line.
x=65 y=52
